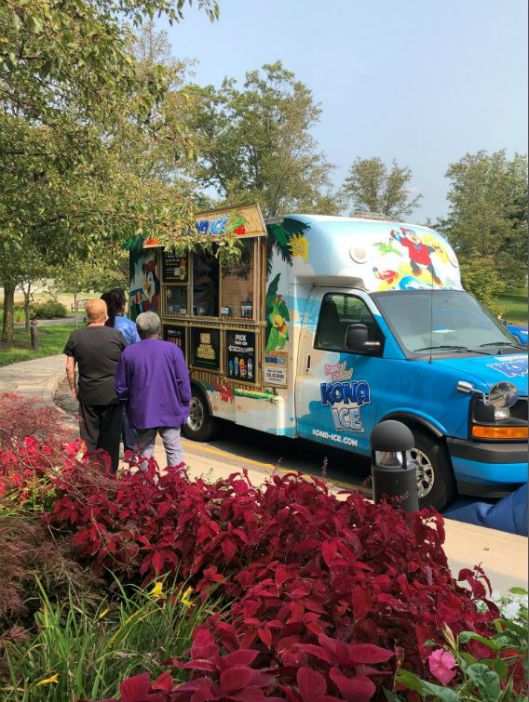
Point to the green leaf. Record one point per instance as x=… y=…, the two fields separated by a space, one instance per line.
x=34 y=24
x=518 y=590
x=487 y=681
x=466 y=636
x=416 y=684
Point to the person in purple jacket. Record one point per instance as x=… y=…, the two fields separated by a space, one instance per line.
x=152 y=377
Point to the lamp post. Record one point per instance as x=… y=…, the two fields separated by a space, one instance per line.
x=393 y=475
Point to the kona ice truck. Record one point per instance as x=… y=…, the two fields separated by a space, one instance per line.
x=329 y=325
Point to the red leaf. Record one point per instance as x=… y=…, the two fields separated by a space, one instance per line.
x=311 y=684
x=356 y=689
x=265 y=635
x=163 y=682
x=134 y=689
x=368 y=653
x=229 y=549
x=243 y=656
x=235 y=679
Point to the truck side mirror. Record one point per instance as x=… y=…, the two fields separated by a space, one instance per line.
x=357 y=340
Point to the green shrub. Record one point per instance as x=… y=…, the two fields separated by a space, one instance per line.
x=18 y=313
x=48 y=310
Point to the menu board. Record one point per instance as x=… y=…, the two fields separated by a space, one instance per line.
x=176 y=335
x=205 y=348
x=240 y=356
x=174 y=268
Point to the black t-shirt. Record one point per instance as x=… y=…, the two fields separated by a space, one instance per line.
x=97 y=351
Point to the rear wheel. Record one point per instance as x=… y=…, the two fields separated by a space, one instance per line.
x=436 y=484
x=200 y=426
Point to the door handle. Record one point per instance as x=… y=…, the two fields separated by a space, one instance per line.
x=308 y=364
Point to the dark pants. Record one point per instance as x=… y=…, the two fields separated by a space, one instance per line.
x=100 y=428
x=128 y=435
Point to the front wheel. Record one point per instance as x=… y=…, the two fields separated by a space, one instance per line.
x=436 y=484
x=200 y=426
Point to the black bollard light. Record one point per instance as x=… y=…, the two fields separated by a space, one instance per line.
x=34 y=335
x=393 y=475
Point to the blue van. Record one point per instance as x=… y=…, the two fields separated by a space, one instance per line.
x=348 y=321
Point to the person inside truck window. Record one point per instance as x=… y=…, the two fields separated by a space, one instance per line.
x=205 y=285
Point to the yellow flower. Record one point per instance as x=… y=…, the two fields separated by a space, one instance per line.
x=48 y=681
x=157 y=591
x=104 y=613
x=185 y=599
x=299 y=246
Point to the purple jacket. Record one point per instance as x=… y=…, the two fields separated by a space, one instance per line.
x=152 y=377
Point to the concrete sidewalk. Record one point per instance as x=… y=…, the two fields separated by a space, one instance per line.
x=503 y=556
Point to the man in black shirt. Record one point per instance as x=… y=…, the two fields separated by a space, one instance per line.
x=96 y=349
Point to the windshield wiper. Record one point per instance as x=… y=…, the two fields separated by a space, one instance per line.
x=452 y=347
x=503 y=344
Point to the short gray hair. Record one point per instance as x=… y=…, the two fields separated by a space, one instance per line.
x=148 y=324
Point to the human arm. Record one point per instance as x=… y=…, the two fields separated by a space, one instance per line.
x=70 y=374
x=182 y=377
x=121 y=384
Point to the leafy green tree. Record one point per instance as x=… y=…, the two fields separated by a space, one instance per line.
x=77 y=107
x=372 y=187
x=255 y=143
x=487 y=220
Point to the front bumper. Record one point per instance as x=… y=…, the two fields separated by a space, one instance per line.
x=488 y=469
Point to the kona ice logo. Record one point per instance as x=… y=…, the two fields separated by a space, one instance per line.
x=355 y=392
x=345 y=397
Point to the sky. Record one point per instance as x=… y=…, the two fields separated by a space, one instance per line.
x=421 y=81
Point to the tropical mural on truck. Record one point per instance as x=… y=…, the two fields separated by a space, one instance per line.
x=288 y=240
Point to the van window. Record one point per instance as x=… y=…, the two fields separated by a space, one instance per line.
x=338 y=311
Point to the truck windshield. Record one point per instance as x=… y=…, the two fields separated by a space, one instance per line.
x=442 y=322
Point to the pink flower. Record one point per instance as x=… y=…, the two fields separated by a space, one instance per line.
x=442 y=664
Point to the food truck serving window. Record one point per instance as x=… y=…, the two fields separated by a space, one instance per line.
x=237 y=284
x=175 y=299
x=205 y=284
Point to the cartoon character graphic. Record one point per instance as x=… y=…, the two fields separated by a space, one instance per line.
x=389 y=277
x=419 y=253
x=144 y=284
x=277 y=317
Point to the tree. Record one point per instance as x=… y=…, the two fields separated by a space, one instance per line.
x=487 y=220
x=75 y=106
x=371 y=187
x=255 y=143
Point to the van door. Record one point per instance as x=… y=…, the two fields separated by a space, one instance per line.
x=336 y=390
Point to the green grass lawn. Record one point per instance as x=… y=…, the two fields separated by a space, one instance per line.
x=513 y=304
x=52 y=339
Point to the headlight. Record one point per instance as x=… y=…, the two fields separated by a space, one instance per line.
x=503 y=395
x=500 y=416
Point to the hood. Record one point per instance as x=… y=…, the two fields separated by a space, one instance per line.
x=485 y=371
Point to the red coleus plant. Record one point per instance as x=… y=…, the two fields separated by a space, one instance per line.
x=315 y=582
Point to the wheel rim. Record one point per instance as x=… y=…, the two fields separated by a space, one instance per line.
x=196 y=414
x=425 y=472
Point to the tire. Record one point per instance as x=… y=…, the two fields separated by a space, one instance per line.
x=200 y=426
x=436 y=484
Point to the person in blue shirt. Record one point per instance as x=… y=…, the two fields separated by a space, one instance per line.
x=116 y=301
